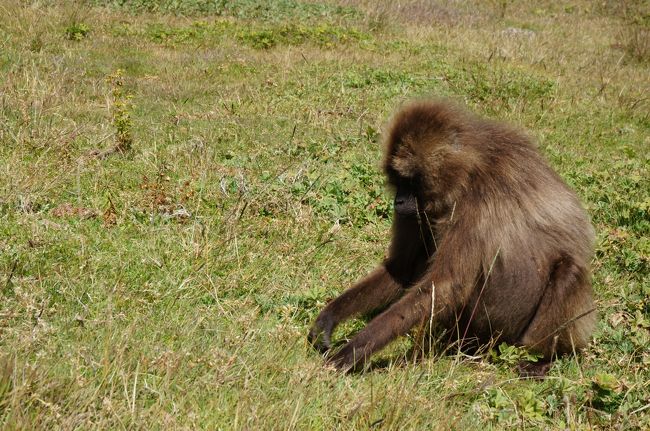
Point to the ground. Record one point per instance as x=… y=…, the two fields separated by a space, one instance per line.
x=185 y=183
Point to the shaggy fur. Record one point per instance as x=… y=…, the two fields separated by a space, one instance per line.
x=503 y=242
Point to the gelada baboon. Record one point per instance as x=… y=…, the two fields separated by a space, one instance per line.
x=488 y=243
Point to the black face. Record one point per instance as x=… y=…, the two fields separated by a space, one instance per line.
x=406 y=203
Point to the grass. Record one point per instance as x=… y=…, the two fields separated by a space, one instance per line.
x=184 y=184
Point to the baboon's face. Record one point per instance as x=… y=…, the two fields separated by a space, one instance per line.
x=403 y=178
x=406 y=200
x=417 y=187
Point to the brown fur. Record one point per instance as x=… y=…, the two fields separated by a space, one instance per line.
x=502 y=240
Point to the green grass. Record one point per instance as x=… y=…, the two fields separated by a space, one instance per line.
x=184 y=184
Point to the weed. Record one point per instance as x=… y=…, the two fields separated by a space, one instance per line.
x=121 y=111
x=485 y=84
x=371 y=77
x=77 y=31
x=607 y=393
x=512 y=355
x=637 y=43
x=278 y=10
x=36 y=44
x=356 y=195
x=322 y=35
x=109 y=215
x=198 y=31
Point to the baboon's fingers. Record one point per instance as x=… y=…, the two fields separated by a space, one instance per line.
x=534 y=370
x=320 y=333
x=349 y=357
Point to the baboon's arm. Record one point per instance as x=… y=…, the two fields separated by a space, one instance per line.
x=372 y=292
x=399 y=318
x=439 y=285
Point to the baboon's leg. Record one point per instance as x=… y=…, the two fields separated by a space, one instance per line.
x=564 y=318
x=374 y=291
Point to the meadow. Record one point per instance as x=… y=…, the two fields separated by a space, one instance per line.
x=185 y=183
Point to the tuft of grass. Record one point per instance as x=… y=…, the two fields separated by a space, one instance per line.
x=121 y=112
x=257 y=36
x=634 y=37
x=279 y=10
x=486 y=84
x=637 y=43
x=76 y=31
x=322 y=35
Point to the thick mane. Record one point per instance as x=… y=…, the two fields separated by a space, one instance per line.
x=422 y=119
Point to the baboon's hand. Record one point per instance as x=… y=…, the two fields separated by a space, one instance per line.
x=348 y=358
x=320 y=333
x=534 y=370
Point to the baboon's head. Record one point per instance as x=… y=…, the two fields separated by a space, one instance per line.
x=427 y=156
